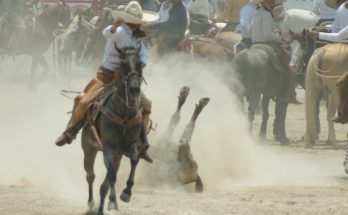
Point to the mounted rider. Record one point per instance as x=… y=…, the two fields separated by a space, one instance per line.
x=173 y=29
x=266 y=35
x=123 y=33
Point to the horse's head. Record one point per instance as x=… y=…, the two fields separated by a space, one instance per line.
x=131 y=71
x=76 y=34
x=342 y=110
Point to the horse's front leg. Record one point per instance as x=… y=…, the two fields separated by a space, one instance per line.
x=109 y=182
x=127 y=193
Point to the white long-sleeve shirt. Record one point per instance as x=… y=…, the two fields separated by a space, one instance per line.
x=341 y=19
x=123 y=37
x=335 y=37
x=246 y=16
x=263 y=26
x=321 y=9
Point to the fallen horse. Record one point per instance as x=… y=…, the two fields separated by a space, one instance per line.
x=178 y=159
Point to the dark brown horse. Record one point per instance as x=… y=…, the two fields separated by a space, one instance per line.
x=35 y=40
x=119 y=126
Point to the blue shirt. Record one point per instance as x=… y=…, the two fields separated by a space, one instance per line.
x=177 y=21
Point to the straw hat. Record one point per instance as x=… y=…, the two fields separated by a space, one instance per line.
x=260 y=1
x=332 y=4
x=133 y=13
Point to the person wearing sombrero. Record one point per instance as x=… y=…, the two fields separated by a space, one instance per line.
x=265 y=36
x=124 y=32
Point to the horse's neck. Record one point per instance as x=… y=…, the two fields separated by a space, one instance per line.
x=120 y=106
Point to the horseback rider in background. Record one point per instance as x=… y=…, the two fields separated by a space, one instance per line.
x=264 y=31
x=123 y=33
x=173 y=29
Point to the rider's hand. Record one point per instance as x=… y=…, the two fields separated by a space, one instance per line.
x=118 y=22
x=314 y=34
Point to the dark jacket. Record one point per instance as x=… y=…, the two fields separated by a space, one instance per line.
x=177 y=22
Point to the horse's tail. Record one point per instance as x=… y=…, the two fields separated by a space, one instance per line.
x=314 y=86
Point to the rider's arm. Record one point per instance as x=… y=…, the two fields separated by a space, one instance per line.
x=143 y=54
x=335 y=37
x=107 y=32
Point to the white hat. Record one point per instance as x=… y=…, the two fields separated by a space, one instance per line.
x=298 y=20
x=260 y=1
x=133 y=13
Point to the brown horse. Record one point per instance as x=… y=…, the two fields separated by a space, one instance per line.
x=177 y=160
x=35 y=41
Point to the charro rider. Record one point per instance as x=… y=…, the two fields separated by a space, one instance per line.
x=173 y=29
x=124 y=32
x=264 y=31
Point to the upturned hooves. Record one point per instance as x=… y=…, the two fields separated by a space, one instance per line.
x=125 y=197
x=203 y=102
x=199 y=185
x=345 y=165
x=183 y=95
x=112 y=206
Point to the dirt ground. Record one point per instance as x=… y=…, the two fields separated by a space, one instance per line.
x=240 y=175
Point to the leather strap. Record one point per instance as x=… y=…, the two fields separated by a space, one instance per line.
x=137 y=120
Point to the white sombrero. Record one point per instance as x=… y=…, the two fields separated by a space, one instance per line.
x=298 y=20
x=133 y=13
x=260 y=1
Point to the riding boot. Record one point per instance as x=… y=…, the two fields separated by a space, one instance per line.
x=143 y=137
x=69 y=134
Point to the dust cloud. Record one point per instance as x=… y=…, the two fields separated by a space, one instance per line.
x=226 y=153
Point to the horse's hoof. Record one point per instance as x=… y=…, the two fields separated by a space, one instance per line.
x=125 y=197
x=203 y=102
x=199 y=185
x=91 y=205
x=100 y=213
x=283 y=140
x=112 y=206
